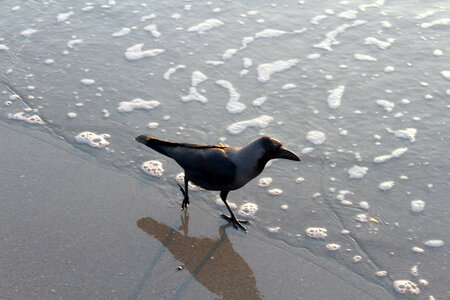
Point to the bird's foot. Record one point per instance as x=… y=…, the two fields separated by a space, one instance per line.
x=236 y=223
x=185 y=202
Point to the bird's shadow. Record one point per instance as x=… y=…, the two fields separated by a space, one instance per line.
x=212 y=261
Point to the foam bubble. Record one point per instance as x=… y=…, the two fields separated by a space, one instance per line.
x=247 y=62
x=260 y=122
x=153 y=29
x=153 y=168
x=92 y=139
x=423 y=282
x=357 y=171
x=387 y=185
x=389 y=69
x=194 y=95
x=72 y=115
x=87 y=81
x=135 y=52
x=233 y=106
x=330 y=37
x=30 y=119
x=357 y=258
x=205 y=26
x=259 y=101
x=313 y=56
x=171 y=71
x=316 y=232
x=265 y=71
x=64 y=16
x=335 y=97
x=406 y=287
x=265 y=181
x=414 y=271
x=248 y=210
x=28 y=32
x=106 y=113
x=349 y=14
x=229 y=53
x=446 y=74
x=269 y=33
x=333 y=247
x=138 y=103
x=192 y=187
x=275 y=192
x=377 y=3
x=300 y=180
x=395 y=154
x=197 y=78
x=424 y=14
x=444 y=21
x=273 y=229
x=284 y=207
x=380 y=44
x=364 y=57
x=14 y=97
x=148 y=17
x=214 y=62
x=87 y=8
x=438 y=52
x=288 y=86
x=386 y=24
x=152 y=125
x=243 y=73
x=307 y=150
x=434 y=243
x=247 y=40
x=364 y=205
x=387 y=105
x=316 y=137
x=381 y=273
x=3 y=47
x=72 y=43
x=417 y=206
x=417 y=250
x=408 y=133
x=122 y=32
x=316 y=20
x=362 y=218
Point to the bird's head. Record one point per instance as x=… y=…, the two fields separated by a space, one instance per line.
x=274 y=149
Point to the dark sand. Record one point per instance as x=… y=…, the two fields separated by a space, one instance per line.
x=72 y=229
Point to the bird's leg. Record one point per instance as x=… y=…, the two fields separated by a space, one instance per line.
x=185 y=202
x=235 y=222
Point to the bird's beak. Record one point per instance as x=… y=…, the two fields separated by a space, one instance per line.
x=282 y=152
x=141 y=139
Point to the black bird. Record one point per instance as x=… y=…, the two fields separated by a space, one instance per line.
x=220 y=167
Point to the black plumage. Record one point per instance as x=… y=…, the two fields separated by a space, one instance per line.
x=220 y=167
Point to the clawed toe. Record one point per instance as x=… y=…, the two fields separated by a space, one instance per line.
x=185 y=203
x=236 y=223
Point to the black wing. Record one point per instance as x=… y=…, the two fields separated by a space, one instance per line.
x=205 y=165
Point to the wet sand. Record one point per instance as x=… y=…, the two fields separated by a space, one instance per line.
x=72 y=229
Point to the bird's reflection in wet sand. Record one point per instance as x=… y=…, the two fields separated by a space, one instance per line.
x=212 y=262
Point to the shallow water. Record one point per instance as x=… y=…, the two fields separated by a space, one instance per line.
x=322 y=68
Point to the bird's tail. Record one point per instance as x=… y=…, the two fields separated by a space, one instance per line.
x=162 y=146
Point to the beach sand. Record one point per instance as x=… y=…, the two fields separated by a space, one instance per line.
x=72 y=229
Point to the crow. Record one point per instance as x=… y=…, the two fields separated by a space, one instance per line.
x=220 y=167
